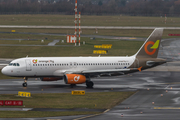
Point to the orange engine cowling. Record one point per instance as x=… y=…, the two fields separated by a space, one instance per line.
x=74 y=79
x=51 y=78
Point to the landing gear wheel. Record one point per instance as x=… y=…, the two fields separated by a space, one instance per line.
x=89 y=84
x=24 y=84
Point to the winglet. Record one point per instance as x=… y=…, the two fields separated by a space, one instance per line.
x=140 y=68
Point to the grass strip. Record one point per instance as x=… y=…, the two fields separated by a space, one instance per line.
x=116 y=20
x=107 y=32
x=37 y=114
x=119 y=48
x=96 y=100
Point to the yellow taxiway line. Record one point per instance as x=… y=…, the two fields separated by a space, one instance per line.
x=160 y=108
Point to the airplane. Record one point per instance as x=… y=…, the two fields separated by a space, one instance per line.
x=78 y=70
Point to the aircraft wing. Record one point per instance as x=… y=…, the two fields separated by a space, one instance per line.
x=57 y=73
x=101 y=71
x=104 y=71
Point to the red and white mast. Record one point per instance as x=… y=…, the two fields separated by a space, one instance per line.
x=79 y=27
x=75 y=21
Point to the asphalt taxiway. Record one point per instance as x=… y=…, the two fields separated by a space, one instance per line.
x=162 y=88
x=84 y=27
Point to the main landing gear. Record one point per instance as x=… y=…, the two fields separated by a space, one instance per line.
x=25 y=82
x=89 y=83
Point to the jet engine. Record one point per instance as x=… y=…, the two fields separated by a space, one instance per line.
x=51 y=78
x=74 y=79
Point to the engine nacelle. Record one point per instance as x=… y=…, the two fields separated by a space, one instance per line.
x=74 y=79
x=51 y=78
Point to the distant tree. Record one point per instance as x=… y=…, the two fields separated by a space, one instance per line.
x=100 y=3
x=123 y=2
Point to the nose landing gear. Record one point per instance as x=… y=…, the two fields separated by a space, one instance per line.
x=25 y=82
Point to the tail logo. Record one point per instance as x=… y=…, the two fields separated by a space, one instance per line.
x=154 y=47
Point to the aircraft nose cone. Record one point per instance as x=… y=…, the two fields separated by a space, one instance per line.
x=4 y=71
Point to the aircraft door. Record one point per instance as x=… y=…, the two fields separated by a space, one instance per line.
x=28 y=65
x=73 y=64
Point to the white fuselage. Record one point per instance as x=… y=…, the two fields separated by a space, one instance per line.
x=58 y=66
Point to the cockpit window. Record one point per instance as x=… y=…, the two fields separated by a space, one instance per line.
x=14 y=64
x=10 y=64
